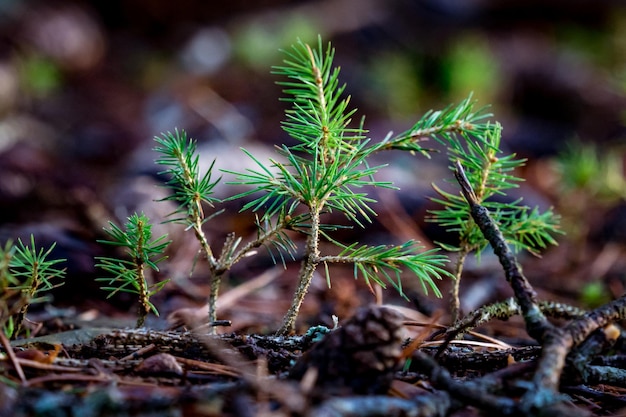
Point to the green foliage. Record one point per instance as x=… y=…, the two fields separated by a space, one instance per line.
x=280 y=244
x=319 y=116
x=189 y=188
x=444 y=125
x=311 y=182
x=32 y=267
x=490 y=174
x=376 y=262
x=26 y=275
x=128 y=275
x=327 y=170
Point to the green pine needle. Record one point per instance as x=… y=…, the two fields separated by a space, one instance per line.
x=190 y=189
x=444 y=124
x=491 y=174
x=384 y=264
x=328 y=170
x=476 y=147
x=142 y=251
x=29 y=272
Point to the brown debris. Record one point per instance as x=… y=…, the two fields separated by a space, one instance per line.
x=359 y=357
x=161 y=363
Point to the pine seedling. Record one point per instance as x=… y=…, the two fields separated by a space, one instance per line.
x=441 y=125
x=190 y=191
x=490 y=175
x=129 y=275
x=326 y=171
x=27 y=274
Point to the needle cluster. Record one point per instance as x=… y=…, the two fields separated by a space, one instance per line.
x=490 y=174
x=190 y=190
x=142 y=253
x=326 y=171
x=26 y=274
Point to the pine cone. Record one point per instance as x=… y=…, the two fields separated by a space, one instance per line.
x=359 y=357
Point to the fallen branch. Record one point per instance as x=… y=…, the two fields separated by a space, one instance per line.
x=557 y=342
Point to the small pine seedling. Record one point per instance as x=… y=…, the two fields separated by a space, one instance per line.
x=129 y=275
x=26 y=274
x=190 y=191
x=323 y=172
x=327 y=170
x=477 y=149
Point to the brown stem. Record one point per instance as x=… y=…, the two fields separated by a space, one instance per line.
x=144 y=307
x=196 y=218
x=309 y=264
x=455 y=303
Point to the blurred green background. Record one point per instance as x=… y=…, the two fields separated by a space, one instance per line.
x=552 y=70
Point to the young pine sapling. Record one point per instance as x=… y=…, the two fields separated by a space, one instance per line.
x=129 y=275
x=190 y=191
x=323 y=172
x=477 y=149
x=26 y=274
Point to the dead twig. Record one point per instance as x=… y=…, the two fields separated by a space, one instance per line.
x=556 y=342
x=11 y=355
x=536 y=322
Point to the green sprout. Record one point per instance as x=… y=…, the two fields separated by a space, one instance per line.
x=26 y=274
x=190 y=191
x=129 y=275
x=327 y=170
x=490 y=174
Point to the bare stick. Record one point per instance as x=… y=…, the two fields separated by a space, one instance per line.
x=11 y=355
x=536 y=322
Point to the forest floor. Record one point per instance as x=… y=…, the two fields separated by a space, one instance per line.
x=84 y=363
